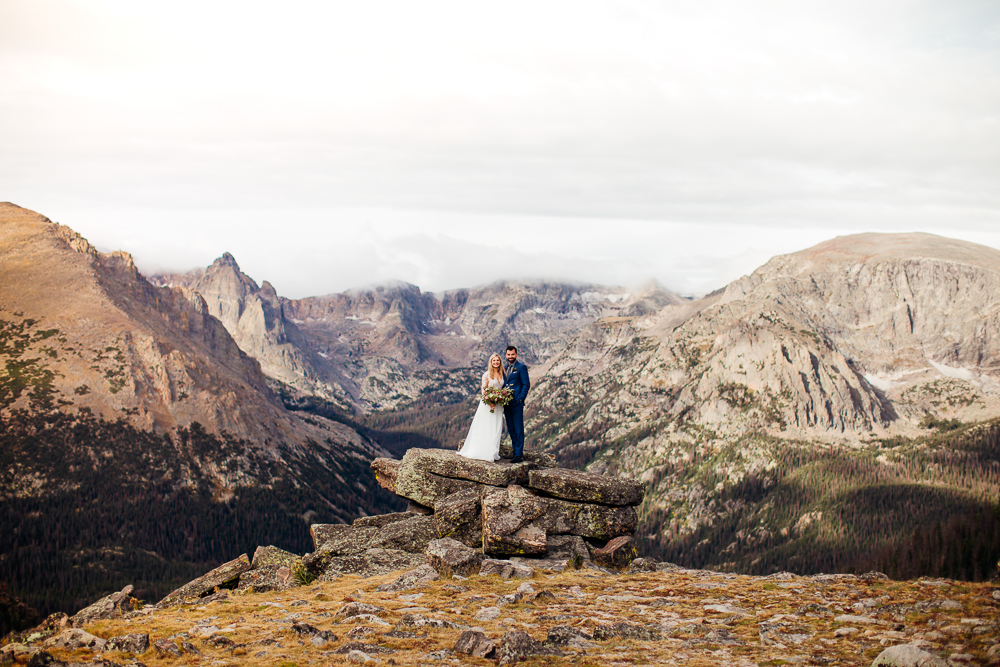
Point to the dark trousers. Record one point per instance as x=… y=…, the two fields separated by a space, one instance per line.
x=514 y=415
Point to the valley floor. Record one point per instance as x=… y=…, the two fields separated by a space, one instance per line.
x=678 y=617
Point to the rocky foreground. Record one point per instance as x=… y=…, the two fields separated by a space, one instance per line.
x=503 y=563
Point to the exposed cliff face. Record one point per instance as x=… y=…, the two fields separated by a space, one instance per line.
x=388 y=345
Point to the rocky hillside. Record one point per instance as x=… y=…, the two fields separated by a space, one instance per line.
x=822 y=371
x=384 y=347
x=134 y=401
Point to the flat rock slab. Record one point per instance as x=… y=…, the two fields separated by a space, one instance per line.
x=427 y=488
x=447 y=463
x=375 y=562
x=382 y=520
x=224 y=575
x=601 y=522
x=513 y=522
x=341 y=539
x=585 y=487
x=266 y=578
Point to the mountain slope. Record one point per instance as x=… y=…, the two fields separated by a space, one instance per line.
x=133 y=402
x=854 y=343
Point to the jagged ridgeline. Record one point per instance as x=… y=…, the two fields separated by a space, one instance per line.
x=138 y=443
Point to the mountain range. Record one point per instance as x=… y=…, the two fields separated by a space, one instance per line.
x=833 y=410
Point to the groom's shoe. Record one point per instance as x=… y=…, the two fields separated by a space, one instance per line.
x=517 y=459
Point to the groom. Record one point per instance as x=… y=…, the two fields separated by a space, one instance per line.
x=517 y=380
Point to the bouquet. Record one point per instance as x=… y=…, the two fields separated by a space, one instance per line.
x=494 y=396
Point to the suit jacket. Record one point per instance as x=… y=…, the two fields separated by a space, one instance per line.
x=518 y=381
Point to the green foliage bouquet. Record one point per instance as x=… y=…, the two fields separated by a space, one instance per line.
x=494 y=396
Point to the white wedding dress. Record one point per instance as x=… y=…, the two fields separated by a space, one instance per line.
x=483 y=440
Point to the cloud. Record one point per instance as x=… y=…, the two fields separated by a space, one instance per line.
x=679 y=123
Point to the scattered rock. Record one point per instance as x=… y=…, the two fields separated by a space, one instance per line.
x=76 y=638
x=649 y=565
x=412 y=579
x=618 y=553
x=226 y=575
x=505 y=569
x=624 y=630
x=136 y=643
x=513 y=522
x=115 y=605
x=586 y=487
x=358 y=608
x=518 y=645
x=487 y=614
x=907 y=655
x=474 y=643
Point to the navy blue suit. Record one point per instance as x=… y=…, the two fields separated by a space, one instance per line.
x=518 y=381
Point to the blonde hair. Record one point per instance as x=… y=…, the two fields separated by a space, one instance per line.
x=489 y=367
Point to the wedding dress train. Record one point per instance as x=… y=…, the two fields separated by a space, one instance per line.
x=483 y=440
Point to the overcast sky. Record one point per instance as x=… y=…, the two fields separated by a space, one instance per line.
x=331 y=144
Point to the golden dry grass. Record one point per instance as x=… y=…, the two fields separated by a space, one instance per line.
x=673 y=602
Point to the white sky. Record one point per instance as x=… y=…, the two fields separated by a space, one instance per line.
x=332 y=144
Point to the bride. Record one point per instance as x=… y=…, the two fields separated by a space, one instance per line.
x=483 y=440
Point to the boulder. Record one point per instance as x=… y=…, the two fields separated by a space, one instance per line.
x=374 y=562
x=450 y=557
x=412 y=535
x=426 y=488
x=505 y=569
x=75 y=639
x=341 y=539
x=52 y=625
x=459 y=516
x=549 y=564
x=596 y=521
x=272 y=555
x=474 y=643
x=513 y=522
x=115 y=605
x=136 y=643
x=618 y=553
x=386 y=471
x=907 y=655
x=570 y=547
x=518 y=645
x=224 y=576
x=266 y=578
x=585 y=487
x=412 y=579
x=382 y=520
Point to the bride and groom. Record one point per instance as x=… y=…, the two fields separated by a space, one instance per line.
x=483 y=440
